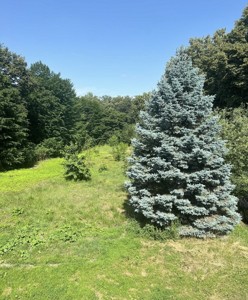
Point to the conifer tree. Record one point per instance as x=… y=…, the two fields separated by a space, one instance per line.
x=177 y=170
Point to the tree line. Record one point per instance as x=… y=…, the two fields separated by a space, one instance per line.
x=223 y=58
x=40 y=113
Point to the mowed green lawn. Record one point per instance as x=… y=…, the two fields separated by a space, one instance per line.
x=67 y=240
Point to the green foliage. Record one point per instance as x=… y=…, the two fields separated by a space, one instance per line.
x=41 y=152
x=27 y=237
x=130 y=106
x=39 y=108
x=75 y=166
x=17 y=211
x=97 y=120
x=223 y=59
x=49 y=148
x=13 y=129
x=119 y=149
x=50 y=105
x=234 y=131
x=241 y=191
x=13 y=112
x=67 y=233
x=29 y=155
x=13 y=71
x=45 y=116
x=36 y=107
x=126 y=134
x=76 y=169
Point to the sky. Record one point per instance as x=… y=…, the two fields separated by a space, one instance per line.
x=110 y=47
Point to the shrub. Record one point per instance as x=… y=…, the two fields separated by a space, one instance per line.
x=234 y=124
x=241 y=191
x=235 y=131
x=30 y=156
x=75 y=166
x=51 y=147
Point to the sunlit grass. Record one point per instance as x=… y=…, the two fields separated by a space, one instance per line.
x=72 y=240
x=17 y=180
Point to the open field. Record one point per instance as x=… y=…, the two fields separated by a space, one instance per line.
x=72 y=240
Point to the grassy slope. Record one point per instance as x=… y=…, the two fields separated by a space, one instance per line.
x=63 y=240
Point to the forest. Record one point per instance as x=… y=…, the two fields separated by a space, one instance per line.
x=55 y=144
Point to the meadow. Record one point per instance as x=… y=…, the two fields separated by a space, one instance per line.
x=73 y=240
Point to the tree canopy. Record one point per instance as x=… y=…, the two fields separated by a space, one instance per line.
x=223 y=58
x=13 y=112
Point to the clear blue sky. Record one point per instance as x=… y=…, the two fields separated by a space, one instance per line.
x=110 y=47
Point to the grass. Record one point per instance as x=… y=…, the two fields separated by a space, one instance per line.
x=18 y=180
x=72 y=240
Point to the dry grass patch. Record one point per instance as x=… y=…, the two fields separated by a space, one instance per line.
x=210 y=256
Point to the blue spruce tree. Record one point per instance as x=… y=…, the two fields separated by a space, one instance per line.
x=177 y=170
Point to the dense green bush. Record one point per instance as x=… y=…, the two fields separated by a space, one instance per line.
x=126 y=135
x=235 y=132
x=75 y=166
x=30 y=156
x=241 y=192
x=51 y=147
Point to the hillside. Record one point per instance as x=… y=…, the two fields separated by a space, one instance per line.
x=73 y=240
